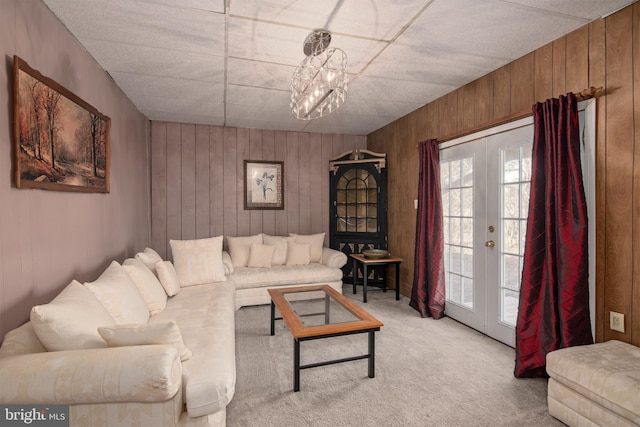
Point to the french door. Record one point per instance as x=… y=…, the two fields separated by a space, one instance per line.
x=485 y=197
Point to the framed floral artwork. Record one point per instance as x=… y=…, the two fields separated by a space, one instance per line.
x=263 y=184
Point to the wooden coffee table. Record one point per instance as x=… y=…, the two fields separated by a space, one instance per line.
x=337 y=316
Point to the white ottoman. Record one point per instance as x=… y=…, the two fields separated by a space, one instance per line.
x=595 y=385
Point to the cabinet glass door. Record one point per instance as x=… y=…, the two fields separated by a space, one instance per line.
x=357 y=202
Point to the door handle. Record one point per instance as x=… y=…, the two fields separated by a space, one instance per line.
x=489 y=243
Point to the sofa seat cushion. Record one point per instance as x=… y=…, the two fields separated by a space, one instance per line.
x=281 y=275
x=206 y=317
x=607 y=373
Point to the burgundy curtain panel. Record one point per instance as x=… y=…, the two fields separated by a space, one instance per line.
x=554 y=294
x=428 y=292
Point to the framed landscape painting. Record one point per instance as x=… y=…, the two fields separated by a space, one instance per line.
x=60 y=141
x=263 y=184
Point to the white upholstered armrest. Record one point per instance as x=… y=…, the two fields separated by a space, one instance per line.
x=333 y=258
x=146 y=373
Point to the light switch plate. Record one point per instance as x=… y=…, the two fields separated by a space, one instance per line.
x=616 y=321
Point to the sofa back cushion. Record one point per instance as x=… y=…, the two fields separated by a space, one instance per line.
x=279 y=244
x=119 y=295
x=148 y=285
x=168 y=277
x=239 y=248
x=315 y=241
x=150 y=258
x=298 y=253
x=198 y=261
x=71 y=320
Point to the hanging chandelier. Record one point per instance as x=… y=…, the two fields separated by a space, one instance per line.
x=319 y=83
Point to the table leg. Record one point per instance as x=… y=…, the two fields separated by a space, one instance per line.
x=397 y=281
x=296 y=365
x=327 y=307
x=372 y=354
x=355 y=274
x=364 y=282
x=384 y=277
x=273 y=318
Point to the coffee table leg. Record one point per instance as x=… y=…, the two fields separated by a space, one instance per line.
x=296 y=365
x=372 y=354
x=327 y=308
x=273 y=318
x=397 y=281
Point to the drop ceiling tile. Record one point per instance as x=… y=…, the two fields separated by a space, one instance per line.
x=119 y=57
x=275 y=113
x=388 y=89
x=253 y=96
x=278 y=44
x=438 y=67
x=143 y=23
x=369 y=108
x=259 y=74
x=586 y=9
x=204 y=106
x=379 y=20
x=168 y=87
x=216 y=6
x=487 y=28
x=347 y=124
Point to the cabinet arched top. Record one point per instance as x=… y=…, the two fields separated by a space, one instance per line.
x=357 y=156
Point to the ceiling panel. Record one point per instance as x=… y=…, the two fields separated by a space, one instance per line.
x=378 y=20
x=189 y=61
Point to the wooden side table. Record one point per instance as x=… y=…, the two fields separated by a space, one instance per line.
x=366 y=262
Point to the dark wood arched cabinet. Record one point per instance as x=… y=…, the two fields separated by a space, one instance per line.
x=358 y=206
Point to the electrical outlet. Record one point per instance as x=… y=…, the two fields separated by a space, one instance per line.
x=616 y=321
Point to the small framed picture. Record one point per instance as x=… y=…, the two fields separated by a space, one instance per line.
x=263 y=184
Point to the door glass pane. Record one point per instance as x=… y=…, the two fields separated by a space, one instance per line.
x=456 y=183
x=356 y=202
x=515 y=164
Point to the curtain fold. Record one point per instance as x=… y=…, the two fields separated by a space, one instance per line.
x=428 y=292
x=554 y=295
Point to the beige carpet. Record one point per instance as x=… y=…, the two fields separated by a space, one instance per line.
x=428 y=373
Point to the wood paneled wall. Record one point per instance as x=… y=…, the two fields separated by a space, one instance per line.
x=198 y=186
x=604 y=53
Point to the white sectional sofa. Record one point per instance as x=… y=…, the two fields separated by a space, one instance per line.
x=150 y=342
x=595 y=385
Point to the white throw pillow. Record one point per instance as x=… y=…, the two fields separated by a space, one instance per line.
x=150 y=258
x=228 y=264
x=198 y=261
x=119 y=295
x=260 y=255
x=280 y=247
x=239 y=248
x=150 y=289
x=298 y=253
x=316 y=241
x=71 y=320
x=161 y=333
x=168 y=277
